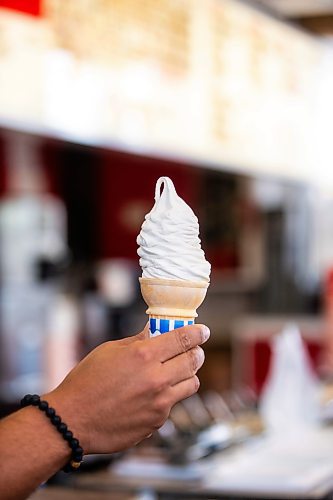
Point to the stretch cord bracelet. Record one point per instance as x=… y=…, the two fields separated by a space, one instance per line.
x=77 y=451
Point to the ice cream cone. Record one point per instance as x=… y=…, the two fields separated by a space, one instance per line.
x=171 y=303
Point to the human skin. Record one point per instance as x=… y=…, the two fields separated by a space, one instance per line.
x=114 y=398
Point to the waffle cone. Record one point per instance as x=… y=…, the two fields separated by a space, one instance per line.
x=173 y=299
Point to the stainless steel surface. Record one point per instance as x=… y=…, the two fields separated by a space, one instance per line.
x=57 y=493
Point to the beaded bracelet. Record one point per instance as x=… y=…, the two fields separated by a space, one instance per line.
x=77 y=451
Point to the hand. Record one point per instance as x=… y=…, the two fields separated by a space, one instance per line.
x=124 y=390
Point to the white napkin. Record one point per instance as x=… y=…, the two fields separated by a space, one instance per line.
x=290 y=398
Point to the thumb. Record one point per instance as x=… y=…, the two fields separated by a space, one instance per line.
x=140 y=336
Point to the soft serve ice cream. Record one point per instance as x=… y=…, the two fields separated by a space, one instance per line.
x=175 y=273
x=169 y=243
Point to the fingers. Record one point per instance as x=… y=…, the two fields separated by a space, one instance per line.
x=179 y=341
x=184 y=389
x=184 y=366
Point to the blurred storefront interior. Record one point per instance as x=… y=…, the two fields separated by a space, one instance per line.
x=233 y=100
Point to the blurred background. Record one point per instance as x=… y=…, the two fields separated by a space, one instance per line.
x=233 y=100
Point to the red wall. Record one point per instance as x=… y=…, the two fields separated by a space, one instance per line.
x=126 y=194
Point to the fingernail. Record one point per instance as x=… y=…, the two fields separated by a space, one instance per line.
x=206 y=332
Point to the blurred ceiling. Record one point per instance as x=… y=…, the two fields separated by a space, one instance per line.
x=299 y=8
x=314 y=15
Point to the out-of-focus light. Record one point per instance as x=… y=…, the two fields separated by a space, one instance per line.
x=116 y=281
x=267 y=194
x=75 y=95
x=321 y=173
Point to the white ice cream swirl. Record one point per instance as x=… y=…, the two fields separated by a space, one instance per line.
x=169 y=243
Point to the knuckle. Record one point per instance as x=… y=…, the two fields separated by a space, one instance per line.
x=143 y=352
x=184 y=340
x=153 y=385
x=158 y=383
x=161 y=412
x=162 y=406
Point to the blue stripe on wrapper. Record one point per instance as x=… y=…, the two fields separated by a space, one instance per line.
x=159 y=326
x=152 y=324
x=164 y=325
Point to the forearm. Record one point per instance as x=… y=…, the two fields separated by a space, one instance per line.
x=115 y=397
x=31 y=451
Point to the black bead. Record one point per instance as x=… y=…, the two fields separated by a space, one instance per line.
x=35 y=400
x=74 y=443
x=50 y=412
x=55 y=420
x=78 y=451
x=62 y=428
x=43 y=405
x=68 y=435
x=26 y=400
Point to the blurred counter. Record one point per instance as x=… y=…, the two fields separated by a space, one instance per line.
x=298 y=467
x=58 y=493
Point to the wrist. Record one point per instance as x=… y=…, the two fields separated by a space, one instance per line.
x=38 y=428
x=71 y=413
x=60 y=426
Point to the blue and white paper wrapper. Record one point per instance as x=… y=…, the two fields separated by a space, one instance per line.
x=158 y=326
